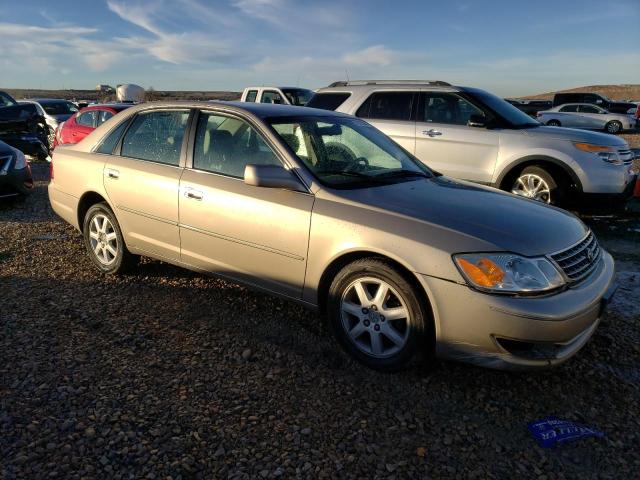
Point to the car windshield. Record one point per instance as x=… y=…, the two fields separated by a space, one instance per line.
x=59 y=108
x=516 y=117
x=6 y=100
x=298 y=96
x=348 y=152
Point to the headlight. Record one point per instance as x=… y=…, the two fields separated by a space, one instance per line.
x=508 y=272
x=21 y=160
x=608 y=154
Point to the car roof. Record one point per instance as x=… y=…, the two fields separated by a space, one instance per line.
x=49 y=100
x=276 y=86
x=114 y=106
x=260 y=110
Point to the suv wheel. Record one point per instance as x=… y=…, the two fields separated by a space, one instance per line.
x=376 y=316
x=613 y=126
x=104 y=242
x=538 y=184
x=553 y=123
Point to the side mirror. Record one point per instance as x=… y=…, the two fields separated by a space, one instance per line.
x=271 y=176
x=478 y=121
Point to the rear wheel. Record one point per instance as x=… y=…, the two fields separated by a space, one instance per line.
x=377 y=316
x=613 y=127
x=539 y=184
x=104 y=242
x=553 y=123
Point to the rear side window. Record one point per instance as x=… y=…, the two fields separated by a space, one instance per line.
x=110 y=141
x=251 y=96
x=87 y=119
x=328 y=101
x=569 y=108
x=387 y=106
x=269 y=96
x=156 y=136
x=226 y=145
x=103 y=116
x=589 y=109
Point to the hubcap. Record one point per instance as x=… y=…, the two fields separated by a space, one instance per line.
x=532 y=186
x=613 y=127
x=375 y=317
x=103 y=239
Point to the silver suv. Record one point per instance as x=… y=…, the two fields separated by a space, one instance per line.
x=473 y=135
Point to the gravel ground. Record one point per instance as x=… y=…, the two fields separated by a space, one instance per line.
x=167 y=374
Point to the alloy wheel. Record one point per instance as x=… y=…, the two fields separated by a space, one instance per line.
x=103 y=239
x=532 y=186
x=375 y=317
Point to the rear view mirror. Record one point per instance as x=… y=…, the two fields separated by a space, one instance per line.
x=271 y=176
x=478 y=121
x=332 y=130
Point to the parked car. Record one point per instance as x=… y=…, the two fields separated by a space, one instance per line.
x=278 y=95
x=595 y=99
x=587 y=116
x=81 y=124
x=23 y=127
x=15 y=173
x=530 y=107
x=401 y=259
x=55 y=111
x=470 y=134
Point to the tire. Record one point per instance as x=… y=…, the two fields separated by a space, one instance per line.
x=533 y=181
x=355 y=324
x=103 y=239
x=613 y=127
x=553 y=123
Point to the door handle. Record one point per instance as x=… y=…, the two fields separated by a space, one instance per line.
x=431 y=132
x=112 y=173
x=193 y=193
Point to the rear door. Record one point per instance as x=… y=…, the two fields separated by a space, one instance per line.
x=592 y=117
x=85 y=124
x=253 y=234
x=570 y=117
x=391 y=112
x=142 y=180
x=447 y=144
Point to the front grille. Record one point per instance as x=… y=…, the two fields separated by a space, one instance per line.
x=580 y=260
x=626 y=155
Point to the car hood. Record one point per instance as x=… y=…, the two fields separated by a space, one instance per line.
x=575 y=135
x=508 y=222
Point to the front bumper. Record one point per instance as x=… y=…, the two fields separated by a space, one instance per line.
x=16 y=182
x=518 y=332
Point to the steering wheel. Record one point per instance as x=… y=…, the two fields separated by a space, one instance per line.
x=358 y=165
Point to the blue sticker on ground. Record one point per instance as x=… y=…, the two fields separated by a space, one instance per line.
x=551 y=431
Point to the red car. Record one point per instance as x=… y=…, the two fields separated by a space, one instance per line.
x=81 y=124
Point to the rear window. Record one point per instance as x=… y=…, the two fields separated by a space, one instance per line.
x=387 y=106
x=59 y=108
x=251 y=96
x=328 y=101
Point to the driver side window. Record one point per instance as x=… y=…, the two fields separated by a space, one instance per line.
x=226 y=145
x=448 y=109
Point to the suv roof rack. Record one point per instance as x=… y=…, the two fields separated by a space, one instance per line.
x=344 y=83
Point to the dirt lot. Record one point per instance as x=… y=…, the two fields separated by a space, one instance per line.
x=168 y=374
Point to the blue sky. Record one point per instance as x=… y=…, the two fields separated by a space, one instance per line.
x=514 y=47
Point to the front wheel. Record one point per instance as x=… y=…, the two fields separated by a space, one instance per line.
x=104 y=241
x=538 y=184
x=377 y=316
x=613 y=127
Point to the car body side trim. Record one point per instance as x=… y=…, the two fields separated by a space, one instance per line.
x=243 y=242
x=147 y=215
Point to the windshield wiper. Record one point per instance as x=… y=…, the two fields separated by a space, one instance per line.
x=343 y=172
x=403 y=173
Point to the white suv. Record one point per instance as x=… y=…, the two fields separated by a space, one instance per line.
x=473 y=135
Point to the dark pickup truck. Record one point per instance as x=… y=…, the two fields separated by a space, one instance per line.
x=530 y=107
x=22 y=127
x=596 y=99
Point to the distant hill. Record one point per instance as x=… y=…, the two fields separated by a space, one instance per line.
x=614 y=92
x=94 y=95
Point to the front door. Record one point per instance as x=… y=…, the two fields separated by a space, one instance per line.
x=253 y=234
x=446 y=143
x=142 y=182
